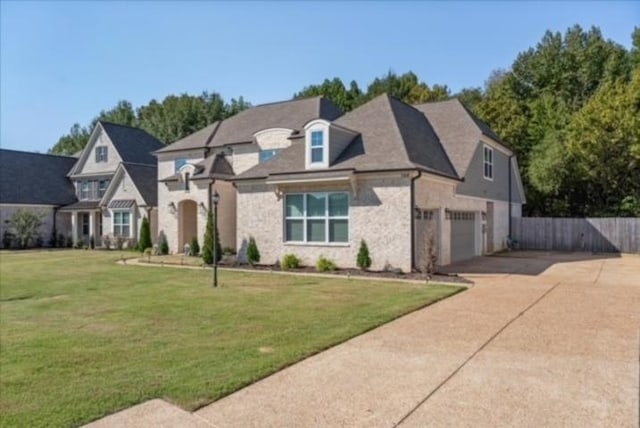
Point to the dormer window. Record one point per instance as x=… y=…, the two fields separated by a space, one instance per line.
x=266 y=155
x=101 y=154
x=317 y=147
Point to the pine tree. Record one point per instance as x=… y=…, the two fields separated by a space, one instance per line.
x=364 y=260
x=207 y=246
x=145 y=235
x=253 y=255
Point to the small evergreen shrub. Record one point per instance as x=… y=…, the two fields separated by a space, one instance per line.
x=164 y=245
x=228 y=251
x=207 y=246
x=364 y=260
x=195 y=247
x=92 y=242
x=253 y=254
x=145 y=235
x=290 y=261
x=325 y=265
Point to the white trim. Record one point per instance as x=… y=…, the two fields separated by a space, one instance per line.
x=311 y=180
x=495 y=145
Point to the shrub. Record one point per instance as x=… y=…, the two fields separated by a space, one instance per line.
x=92 y=242
x=325 y=265
x=364 y=260
x=207 y=249
x=60 y=241
x=195 y=247
x=7 y=239
x=69 y=242
x=119 y=243
x=290 y=261
x=164 y=245
x=52 y=240
x=106 y=241
x=26 y=226
x=145 y=235
x=253 y=255
x=228 y=251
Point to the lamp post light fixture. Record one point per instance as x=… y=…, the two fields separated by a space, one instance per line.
x=215 y=198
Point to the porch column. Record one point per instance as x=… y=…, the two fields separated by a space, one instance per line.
x=74 y=227
x=92 y=229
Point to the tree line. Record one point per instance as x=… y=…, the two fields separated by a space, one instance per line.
x=569 y=107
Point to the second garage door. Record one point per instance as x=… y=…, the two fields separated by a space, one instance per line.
x=463 y=232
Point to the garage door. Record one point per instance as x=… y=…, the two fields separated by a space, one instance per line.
x=463 y=232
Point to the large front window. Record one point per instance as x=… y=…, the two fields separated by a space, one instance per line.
x=317 y=217
x=121 y=223
x=317 y=147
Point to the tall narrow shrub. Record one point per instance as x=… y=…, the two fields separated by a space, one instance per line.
x=364 y=260
x=164 y=245
x=145 y=235
x=253 y=255
x=207 y=246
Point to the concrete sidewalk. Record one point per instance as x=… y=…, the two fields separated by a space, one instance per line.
x=556 y=346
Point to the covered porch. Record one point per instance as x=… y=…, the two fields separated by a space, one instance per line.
x=86 y=222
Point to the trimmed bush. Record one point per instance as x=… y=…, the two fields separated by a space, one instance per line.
x=207 y=246
x=145 y=235
x=325 y=265
x=164 y=245
x=253 y=254
x=195 y=247
x=290 y=261
x=364 y=260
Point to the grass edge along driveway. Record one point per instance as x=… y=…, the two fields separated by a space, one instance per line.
x=82 y=337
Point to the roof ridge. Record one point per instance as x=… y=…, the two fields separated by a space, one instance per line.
x=395 y=121
x=150 y=165
x=127 y=126
x=217 y=124
x=293 y=100
x=38 y=154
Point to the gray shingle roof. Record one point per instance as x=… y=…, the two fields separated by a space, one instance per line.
x=145 y=178
x=392 y=135
x=213 y=167
x=81 y=205
x=33 y=178
x=459 y=130
x=240 y=128
x=133 y=144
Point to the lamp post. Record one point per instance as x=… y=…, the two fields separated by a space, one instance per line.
x=215 y=198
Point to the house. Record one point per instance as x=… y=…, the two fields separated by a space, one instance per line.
x=301 y=177
x=37 y=183
x=115 y=185
x=190 y=169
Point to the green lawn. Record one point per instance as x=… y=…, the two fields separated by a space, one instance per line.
x=82 y=337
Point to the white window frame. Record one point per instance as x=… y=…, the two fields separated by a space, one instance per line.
x=102 y=154
x=85 y=195
x=100 y=191
x=318 y=125
x=321 y=147
x=487 y=161
x=122 y=224
x=305 y=218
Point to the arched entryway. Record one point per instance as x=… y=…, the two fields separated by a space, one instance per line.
x=187 y=223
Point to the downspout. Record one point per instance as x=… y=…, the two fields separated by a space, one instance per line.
x=55 y=229
x=413 y=219
x=509 y=169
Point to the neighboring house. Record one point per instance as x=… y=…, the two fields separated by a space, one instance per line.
x=302 y=178
x=114 y=180
x=38 y=183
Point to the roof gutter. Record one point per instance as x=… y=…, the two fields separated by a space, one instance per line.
x=413 y=219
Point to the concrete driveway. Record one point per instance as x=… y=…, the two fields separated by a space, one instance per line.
x=541 y=339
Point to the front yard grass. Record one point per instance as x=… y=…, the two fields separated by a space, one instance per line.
x=82 y=337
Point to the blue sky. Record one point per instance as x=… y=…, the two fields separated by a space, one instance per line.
x=63 y=62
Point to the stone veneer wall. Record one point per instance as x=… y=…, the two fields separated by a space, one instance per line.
x=379 y=212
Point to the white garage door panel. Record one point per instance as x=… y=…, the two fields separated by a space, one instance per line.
x=463 y=234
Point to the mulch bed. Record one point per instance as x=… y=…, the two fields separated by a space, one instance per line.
x=357 y=272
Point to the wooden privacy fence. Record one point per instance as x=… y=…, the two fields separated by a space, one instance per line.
x=577 y=234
